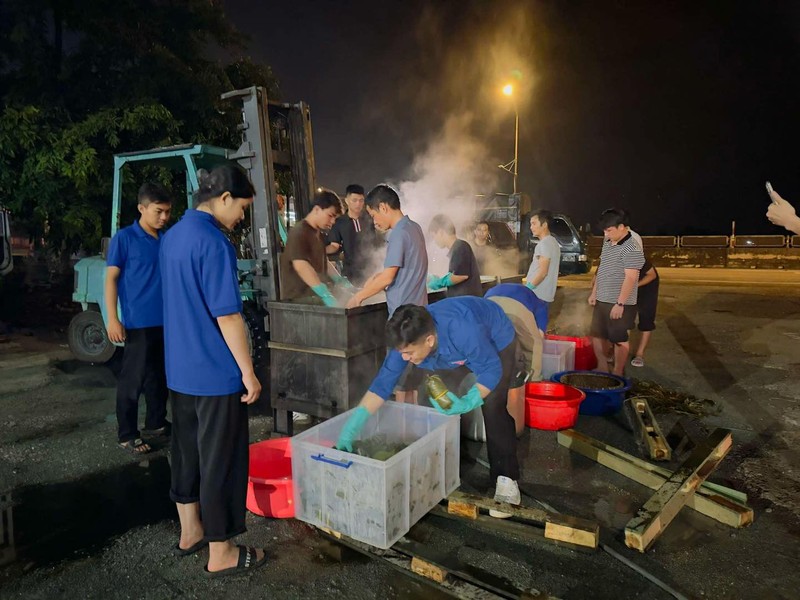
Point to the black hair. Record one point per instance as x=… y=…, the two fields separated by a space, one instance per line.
x=225 y=178
x=482 y=223
x=441 y=222
x=383 y=194
x=543 y=216
x=325 y=198
x=153 y=193
x=354 y=188
x=409 y=324
x=613 y=217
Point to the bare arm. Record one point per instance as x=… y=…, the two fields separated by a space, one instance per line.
x=306 y=272
x=372 y=402
x=116 y=332
x=631 y=278
x=649 y=277
x=456 y=279
x=235 y=335
x=375 y=284
x=593 y=293
x=332 y=248
x=541 y=272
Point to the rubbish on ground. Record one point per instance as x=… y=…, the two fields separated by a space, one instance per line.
x=653 y=441
x=663 y=400
x=721 y=503
x=657 y=513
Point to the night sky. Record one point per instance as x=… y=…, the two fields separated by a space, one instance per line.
x=677 y=111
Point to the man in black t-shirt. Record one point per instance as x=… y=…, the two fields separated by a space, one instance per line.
x=463 y=277
x=354 y=235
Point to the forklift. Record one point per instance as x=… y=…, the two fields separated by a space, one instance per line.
x=276 y=141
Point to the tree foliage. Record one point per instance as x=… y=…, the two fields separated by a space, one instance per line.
x=81 y=80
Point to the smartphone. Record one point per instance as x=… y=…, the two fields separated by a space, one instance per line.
x=769 y=191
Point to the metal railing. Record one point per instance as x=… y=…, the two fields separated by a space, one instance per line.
x=710 y=241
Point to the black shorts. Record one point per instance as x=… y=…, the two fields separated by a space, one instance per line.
x=613 y=330
x=646 y=306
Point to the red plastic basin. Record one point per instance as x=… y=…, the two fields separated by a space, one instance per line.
x=585 y=359
x=551 y=406
x=270 y=492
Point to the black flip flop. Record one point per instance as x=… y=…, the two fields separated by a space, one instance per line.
x=247 y=562
x=178 y=551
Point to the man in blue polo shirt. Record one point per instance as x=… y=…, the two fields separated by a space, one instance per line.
x=455 y=332
x=133 y=278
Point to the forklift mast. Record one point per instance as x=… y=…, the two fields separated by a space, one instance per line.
x=275 y=137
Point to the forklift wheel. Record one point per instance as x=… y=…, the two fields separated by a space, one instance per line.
x=87 y=338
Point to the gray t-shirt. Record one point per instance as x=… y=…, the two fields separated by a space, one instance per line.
x=548 y=248
x=407 y=250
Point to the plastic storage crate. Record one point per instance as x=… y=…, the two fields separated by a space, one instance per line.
x=372 y=501
x=557 y=356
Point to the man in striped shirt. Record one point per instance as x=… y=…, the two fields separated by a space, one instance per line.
x=614 y=290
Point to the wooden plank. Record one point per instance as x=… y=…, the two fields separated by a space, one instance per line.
x=708 y=500
x=428 y=570
x=657 y=513
x=462 y=509
x=584 y=532
x=650 y=433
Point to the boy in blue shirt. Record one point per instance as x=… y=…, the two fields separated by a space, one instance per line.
x=133 y=278
x=454 y=332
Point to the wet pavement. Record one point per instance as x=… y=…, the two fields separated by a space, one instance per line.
x=82 y=519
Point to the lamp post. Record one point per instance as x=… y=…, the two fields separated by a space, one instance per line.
x=508 y=90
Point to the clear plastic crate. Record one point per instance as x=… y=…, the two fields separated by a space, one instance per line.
x=374 y=501
x=557 y=356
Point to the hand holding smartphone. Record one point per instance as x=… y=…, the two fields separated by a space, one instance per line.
x=769 y=192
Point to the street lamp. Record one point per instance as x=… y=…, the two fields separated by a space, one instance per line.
x=511 y=167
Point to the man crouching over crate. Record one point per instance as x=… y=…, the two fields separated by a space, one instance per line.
x=455 y=332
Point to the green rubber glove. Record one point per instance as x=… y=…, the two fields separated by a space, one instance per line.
x=469 y=401
x=342 y=281
x=436 y=283
x=352 y=428
x=451 y=396
x=530 y=286
x=323 y=292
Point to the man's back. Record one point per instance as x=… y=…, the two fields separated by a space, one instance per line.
x=406 y=250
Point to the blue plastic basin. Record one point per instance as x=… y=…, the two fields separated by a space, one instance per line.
x=599 y=402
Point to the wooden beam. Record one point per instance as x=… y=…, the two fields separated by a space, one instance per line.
x=562 y=528
x=462 y=509
x=657 y=513
x=709 y=499
x=427 y=570
x=653 y=440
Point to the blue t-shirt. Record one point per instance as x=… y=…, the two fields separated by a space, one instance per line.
x=470 y=332
x=407 y=250
x=526 y=297
x=135 y=253
x=200 y=283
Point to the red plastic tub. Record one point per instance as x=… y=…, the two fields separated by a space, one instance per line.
x=585 y=359
x=270 y=492
x=551 y=406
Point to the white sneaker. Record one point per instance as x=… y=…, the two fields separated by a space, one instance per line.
x=301 y=418
x=506 y=491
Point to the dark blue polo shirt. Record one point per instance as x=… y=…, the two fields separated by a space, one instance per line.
x=470 y=332
x=200 y=283
x=525 y=296
x=135 y=253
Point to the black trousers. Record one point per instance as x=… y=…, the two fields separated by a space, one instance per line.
x=210 y=460
x=501 y=434
x=142 y=372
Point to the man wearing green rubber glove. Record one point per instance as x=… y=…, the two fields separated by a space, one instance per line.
x=303 y=262
x=463 y=277
x=455 y=332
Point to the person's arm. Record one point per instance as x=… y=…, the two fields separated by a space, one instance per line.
x=593 y=294
x=631 y=279
x=374 y=285
x=306 y=272
x=780 y=212
x=116 y=332
x=235 y=335
x=541 y=271
x=332 y=248
x=649 y=277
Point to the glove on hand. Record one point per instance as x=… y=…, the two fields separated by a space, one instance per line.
x=352 y=428
x=323 y=292
x=437 y=283
x=466 y=403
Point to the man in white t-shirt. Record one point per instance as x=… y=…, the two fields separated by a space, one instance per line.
x=542 y=275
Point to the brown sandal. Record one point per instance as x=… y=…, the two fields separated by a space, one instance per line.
x=137 y=446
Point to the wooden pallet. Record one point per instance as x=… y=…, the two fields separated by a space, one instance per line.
x=722 y=504
x=644 y=421
x=557 y=527
x=657 y=513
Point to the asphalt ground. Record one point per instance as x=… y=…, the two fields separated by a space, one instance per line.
x=83 y=519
